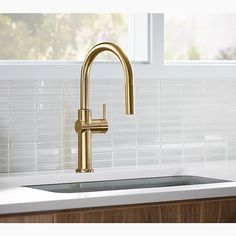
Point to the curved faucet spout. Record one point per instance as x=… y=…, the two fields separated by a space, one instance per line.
x=85 y=75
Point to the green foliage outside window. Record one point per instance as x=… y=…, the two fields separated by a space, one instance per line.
x=58 y=36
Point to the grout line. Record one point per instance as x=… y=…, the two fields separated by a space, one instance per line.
x=36 y=125
x=63 y=90
x=159 y=122
x=227 y=97
x=9 y=127
x=205 y=120
x=182 y=121
x=136 y=121
x=112 y=121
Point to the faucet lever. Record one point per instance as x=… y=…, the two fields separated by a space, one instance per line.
x=104 y=111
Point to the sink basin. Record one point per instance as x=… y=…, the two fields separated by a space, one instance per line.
x=123 y=184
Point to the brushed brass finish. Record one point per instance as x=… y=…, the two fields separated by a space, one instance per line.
x=104 y=111
x=85 y=125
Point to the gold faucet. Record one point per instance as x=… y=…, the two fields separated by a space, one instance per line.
x=85 y=125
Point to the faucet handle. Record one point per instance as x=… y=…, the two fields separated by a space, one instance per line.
x=104 y=111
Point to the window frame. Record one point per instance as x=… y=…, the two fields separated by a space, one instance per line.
x=155 y=68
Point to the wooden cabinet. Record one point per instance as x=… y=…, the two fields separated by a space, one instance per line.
x=198 y=211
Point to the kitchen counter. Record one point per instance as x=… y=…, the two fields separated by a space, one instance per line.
x=17 y=199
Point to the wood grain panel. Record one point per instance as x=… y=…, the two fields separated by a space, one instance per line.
x=107 y=215
x=120 y=215
x=38 y=218
x=227 y=211
x=190 y=212
x=210 y=211
x=170 y=213
x=88 y=216
x=146 y=214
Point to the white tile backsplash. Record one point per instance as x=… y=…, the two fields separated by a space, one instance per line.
x=176 y=121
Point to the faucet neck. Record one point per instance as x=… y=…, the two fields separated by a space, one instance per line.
x=85 y=75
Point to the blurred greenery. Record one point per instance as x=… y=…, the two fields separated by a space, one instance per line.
x=227 y=54
x=200 y=37
x=193 y=52
x=58 y=36
x=177 y=47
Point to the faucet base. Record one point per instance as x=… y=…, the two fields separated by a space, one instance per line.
x=84 y=170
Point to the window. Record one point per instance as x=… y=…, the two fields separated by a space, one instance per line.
x=70 y=36
x=168 y=47
x=200 y=37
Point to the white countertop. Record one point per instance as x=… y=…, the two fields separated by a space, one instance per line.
x=17 y=199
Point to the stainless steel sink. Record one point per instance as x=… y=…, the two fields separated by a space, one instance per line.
x=139 y=183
